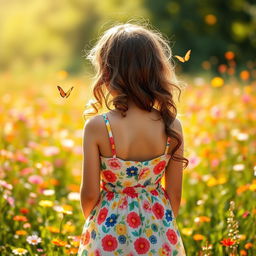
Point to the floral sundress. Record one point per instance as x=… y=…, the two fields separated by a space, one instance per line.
x=133 y=215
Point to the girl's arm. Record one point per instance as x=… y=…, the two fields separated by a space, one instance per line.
x=174 y=173
x=90 y=184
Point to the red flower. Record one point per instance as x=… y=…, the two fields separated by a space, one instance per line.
x=109 y=176
x=102 y=215
x=133 y=219
x=110 y=195
x=131 y=192
x=158 y=210
x=114 y=163
x=97 y=252
x=24 y=210
x=124 y=203
x=109 y=243
x=167 y=248
x=146 y=206
x=159 y=167
x=85 y=238
x=154 y=192
x=141 y=245
x=172 y=236
x=227 y=242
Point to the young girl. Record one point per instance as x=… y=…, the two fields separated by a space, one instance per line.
x=127 y=150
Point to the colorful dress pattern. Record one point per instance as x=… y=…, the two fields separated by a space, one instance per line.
x=133 y=215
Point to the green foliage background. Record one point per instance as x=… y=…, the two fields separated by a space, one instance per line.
x=42 y=36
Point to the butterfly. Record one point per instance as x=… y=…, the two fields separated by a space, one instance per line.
x=185 y=58
x=64 y=94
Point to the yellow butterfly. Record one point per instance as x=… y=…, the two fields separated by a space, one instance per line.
x=64 y=94
x=185 y=58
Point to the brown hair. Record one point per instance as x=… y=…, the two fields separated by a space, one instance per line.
x=136 y=62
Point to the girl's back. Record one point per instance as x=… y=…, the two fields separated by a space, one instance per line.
x=128 y=150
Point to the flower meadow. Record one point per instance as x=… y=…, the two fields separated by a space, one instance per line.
x=41 y=160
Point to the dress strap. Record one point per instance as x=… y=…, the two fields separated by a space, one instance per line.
x=110 y=134
x=167 y=144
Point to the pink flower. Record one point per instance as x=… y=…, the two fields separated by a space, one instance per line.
x=194 y=161
x=26 y=171
x=35 y=179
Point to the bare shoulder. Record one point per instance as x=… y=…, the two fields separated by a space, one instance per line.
x=94 y=125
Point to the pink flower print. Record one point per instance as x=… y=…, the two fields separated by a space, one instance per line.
x=114 y=164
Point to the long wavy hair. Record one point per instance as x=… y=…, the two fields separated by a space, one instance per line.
x=136 y=62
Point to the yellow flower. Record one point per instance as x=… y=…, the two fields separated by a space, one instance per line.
x=242 y=236
x=114 y=205
x=252 y=187
x=217 y=81
x=21 y=232
x=127 y=183
x=46 y=203
x=149 y=232
x=121 y=229
x=68 y=228
x=19 y=251
x=53 y=229
x=187 y=231
x=198 y=237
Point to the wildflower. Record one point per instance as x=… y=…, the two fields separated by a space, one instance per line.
x=217 y=82
x=46 y=203
x=227 y=242
x=19 y=251
x=187 y=231
x=238 y=167
x=21 y=232
x=20 y=218
x=34 y=239
x=248 y=246
x=59 y=242
x=53 y=229
x=198 y=237
x=74 y=196
x=48 y=192
x=35 y=179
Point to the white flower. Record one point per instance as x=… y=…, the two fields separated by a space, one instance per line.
x=74 y=196
x=19 y=251
x=238 y=167
x=48 y=192
x=34 y=239
x=242 y=136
